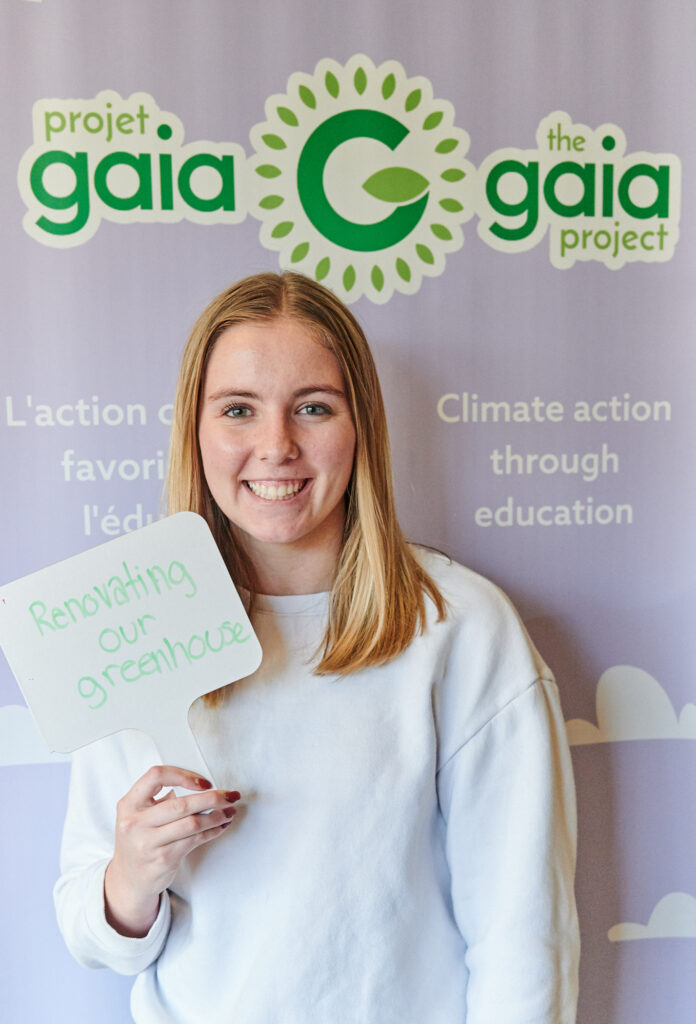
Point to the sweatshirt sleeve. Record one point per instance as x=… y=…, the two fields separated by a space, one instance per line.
x=101 y=774
x=507 y=798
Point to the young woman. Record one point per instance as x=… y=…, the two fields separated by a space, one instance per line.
x=404 y=849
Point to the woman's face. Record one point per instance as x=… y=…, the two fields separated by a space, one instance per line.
x=276 y=436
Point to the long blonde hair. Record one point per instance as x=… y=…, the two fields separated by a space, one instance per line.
x=377 y=602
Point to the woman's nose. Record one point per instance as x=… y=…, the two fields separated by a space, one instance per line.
x=276 y=442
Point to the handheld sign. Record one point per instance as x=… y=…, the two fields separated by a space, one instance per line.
x=127 y=636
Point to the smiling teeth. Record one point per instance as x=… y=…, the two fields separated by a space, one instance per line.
x=275 y=492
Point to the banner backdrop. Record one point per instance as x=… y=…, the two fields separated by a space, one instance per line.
x=503 y=192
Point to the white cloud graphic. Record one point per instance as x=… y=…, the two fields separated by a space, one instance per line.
x=674 y=917
x=20 y=740
x=631 y=705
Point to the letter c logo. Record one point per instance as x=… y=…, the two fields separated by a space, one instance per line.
x=352 y=124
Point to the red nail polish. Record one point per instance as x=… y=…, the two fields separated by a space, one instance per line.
x=231 y=797
x=229 y=812
x=204 y=784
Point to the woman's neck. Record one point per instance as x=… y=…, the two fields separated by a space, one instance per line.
x=300 y=568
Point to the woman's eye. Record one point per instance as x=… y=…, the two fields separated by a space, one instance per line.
x=315 y=409
x=237 y=412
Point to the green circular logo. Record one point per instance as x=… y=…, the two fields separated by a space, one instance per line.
x=359 y=178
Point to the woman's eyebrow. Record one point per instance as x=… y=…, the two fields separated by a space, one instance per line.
x=230 y=393
x=328 y=389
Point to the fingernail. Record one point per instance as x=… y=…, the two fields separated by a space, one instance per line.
x=225 y=824
x=204 y=784
x=231 y=797
x=229 y=812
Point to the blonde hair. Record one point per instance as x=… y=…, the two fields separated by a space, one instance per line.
x=377 y=602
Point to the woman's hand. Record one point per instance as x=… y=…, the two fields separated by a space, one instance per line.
x=153 y=837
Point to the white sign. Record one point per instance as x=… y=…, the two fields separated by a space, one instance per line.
x=127 y=636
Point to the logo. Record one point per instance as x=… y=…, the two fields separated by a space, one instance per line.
x=122 y=160
x=359 y=178
x=596 y=201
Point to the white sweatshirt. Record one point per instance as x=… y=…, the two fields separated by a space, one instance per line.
x=405 y=854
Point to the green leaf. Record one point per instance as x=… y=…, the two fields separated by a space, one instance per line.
x=453 y=174
x=349 y=277
x=286 y=115
x=377 y=278
x=299 y=252
x=413 y=99
x=360 y=81
x=270 y=202
x=268 y=171
x=446 y=146
x=395 y=184
x=331 y=83
x=282 y=229
x=274 y=141
x=403 y=270
x=440 y=231
x=433 y=120
x=425 y=254
x=308 y=97
x=323 y=267
x=388 y=86
x=451 y=205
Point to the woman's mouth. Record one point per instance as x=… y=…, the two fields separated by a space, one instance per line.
x=275 y=490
